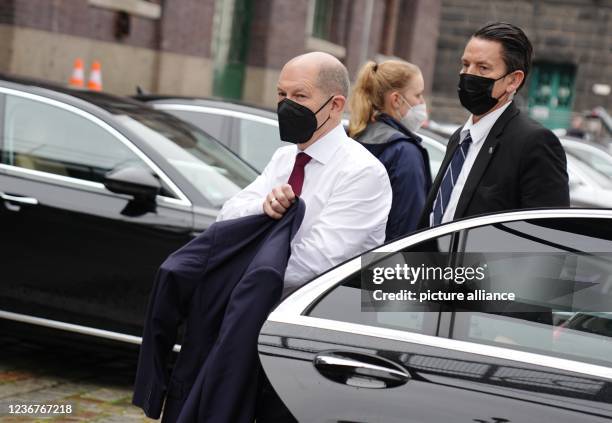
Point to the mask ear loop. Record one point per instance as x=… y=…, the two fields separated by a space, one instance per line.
x=328 y=117
x=502 y=77
x=407 y=102
x=324 y=104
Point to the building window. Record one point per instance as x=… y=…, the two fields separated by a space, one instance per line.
x=322 y=19
x=146 y=9
x=327 y=26
x=389 y=28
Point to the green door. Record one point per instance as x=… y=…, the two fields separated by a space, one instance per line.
x=231 y=46
x=551 y=94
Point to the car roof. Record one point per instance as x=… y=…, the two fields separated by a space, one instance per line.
x=244 y=107
x=221 y=103
x=583 y=144
x=111 y=103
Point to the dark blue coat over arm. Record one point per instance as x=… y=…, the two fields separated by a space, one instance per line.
x=221 y=285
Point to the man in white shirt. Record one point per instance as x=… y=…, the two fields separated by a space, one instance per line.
x=500 y=159
x=346 y=189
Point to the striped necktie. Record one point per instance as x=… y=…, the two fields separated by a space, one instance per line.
x=450 y=179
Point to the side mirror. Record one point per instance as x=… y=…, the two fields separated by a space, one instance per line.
x=134 y=181
x=138 y=183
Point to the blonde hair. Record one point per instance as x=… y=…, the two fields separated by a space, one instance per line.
x=374 y=81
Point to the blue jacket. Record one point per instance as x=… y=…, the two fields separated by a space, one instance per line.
x=407 y=164
x=222 y=285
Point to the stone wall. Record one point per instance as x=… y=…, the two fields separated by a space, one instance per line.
x=561 y=31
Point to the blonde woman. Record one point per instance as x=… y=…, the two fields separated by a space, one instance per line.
x=387 y=107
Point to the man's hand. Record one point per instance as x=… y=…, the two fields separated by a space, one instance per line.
x=278 y=201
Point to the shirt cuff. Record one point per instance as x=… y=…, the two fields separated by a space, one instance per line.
x=253 y=208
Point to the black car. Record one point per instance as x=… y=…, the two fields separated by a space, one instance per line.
x=249 y=131
x=95 y=192
x=252 y=132
x=330 y=360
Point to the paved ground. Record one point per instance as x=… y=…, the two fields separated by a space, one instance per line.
x=97 y=385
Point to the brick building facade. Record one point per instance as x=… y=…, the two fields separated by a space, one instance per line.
x=572 y=42
x=232 y=48
x=157 y=51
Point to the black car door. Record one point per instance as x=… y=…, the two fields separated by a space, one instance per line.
x=335 y=362
x=72 y=251
x=330 y=361
x=559 y=268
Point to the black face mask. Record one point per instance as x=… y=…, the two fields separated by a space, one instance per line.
x=475 y=93
x=297 y=123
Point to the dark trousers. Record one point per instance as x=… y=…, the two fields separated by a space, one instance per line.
x=270 y=408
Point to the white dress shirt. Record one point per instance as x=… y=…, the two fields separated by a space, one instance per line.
x=479 y=132
x=347 y=194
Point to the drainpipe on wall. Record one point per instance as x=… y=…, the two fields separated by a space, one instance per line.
x=367 y=28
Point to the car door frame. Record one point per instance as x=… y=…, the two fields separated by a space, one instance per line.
x=294 y=308
x=181 y=199
x=181 y=202
x=289 y=321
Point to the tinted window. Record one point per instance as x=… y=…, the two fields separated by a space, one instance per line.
x=216 y=125
x=50 y=139
x=595 y=177
x=435 y=156
x=258 y=142
x=253 y=140
x=560 y=253
x=213 y=169
x=599 y=160
x=343 y=303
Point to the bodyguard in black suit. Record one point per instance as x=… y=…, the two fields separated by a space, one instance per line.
x=500 y=159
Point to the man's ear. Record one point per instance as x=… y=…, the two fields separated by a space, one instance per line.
x=517 y=78
x=338 y=103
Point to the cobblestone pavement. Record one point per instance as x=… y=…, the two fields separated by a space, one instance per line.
x=98 y=386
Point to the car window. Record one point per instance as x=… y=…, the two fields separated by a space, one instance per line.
x=253 y=140
x=561 y=272
x=344 y=301
x=596 y=177
x=47 y=138
x=599 y=160
x=218 y=126
x=435 y=156
x=258 y=142
x=213 y=170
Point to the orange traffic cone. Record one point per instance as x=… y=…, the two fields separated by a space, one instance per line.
x=77 y=80
x=95 y=77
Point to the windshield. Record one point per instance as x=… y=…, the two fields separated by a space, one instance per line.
x=214 y=170
x=595 y=177
x=598 y=160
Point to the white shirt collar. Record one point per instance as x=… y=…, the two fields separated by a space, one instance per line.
x=481 y=129
x=324 y=148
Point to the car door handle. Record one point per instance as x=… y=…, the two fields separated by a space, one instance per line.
x=10 y=200
x=18 y=199
x=360 y=370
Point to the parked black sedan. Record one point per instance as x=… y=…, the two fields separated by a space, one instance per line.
x=95 y=192
x=249 y=131
x=331 y=361
x=252 y=132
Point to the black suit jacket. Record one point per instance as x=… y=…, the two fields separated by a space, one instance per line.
x=521 y=165
x=222 y=285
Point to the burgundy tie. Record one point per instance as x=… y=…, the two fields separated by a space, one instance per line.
x=296 y=180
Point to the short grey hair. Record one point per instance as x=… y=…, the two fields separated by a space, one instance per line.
x=334 y=79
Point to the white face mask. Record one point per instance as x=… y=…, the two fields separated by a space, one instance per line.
x=415 y=117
